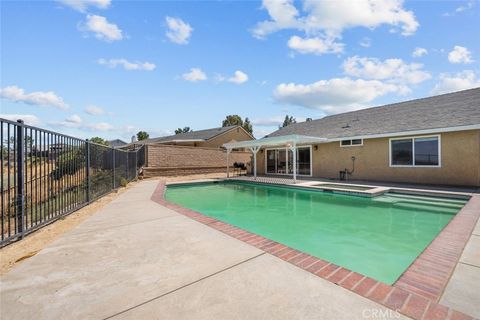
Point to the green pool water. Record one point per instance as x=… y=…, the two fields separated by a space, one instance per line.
x=378 y=237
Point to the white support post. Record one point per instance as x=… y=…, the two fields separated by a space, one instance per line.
x=254 y=150
x=228 y=163
x=294 y=152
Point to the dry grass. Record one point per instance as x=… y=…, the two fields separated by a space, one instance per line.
x=16 y=252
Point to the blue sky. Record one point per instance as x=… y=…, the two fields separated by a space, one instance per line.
x=111 y=68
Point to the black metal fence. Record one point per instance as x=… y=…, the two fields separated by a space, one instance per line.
x=47 y=175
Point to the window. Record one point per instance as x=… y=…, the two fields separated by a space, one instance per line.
x=350 y=143
x=417 y=152
x=426 y=151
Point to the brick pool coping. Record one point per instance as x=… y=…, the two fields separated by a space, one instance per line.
x=415 y=294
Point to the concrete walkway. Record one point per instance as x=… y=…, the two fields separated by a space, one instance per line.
x=462 y=292
x=135 y=259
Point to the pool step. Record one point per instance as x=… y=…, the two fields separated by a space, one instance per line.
x=421 y=201
x=427 y=198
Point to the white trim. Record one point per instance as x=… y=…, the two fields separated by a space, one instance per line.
x=286 y=162
x=413 y=165
x=276 y=141
x=410 y=133
x=350 y=145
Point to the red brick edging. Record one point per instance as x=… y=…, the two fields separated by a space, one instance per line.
x=415 y=294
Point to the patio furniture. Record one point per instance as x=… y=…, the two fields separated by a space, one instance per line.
x=239 y=169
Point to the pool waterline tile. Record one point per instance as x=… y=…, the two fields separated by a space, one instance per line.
x=409 y=295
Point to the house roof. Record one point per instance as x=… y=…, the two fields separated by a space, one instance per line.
x=199 y=135
x=116 y=143
x=458 y=109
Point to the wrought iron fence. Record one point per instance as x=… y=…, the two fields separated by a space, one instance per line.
x=47 y=175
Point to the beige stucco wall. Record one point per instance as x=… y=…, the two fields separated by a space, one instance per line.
x=236 y=134
x=460 y=161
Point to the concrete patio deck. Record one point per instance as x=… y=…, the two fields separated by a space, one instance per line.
x=138 y=259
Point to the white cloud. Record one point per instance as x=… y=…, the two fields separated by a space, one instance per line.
x=314 y=45
x=331 y=18
x=469 y=5
x=260 y=132
x=178 y=31
x=274 y=121
x=395 y=70
x=460 y=54
x=334 y=95
x=195 y=74
x=29 y=119
x=283 y=15
x=94 y=110
x=102 y=29
x=269 y=122
x=239 y=77
x=73 y=121
x=49 y=98
x=102 y=126
x=74 y=118
x=466 y=79
x=127 y=65
x=129 y=129
x=82 y=5
x=419 y=52
x=366 y=42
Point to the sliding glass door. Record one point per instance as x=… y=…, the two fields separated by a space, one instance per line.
x=280 y=161
x=271 y=161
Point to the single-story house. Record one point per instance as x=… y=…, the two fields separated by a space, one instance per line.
x=195 y=152
x=434 y=140
x=116 y=143
x=208 y=138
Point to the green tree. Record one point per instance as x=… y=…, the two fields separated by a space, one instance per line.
x=142 y=135
x=236 y=120
x=184 y=130
x=99 y=141
x=309 y=119
x=288 y=121
x=247 y=125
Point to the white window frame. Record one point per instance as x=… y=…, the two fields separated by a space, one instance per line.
x=286 y=164
x=413 y=165
x=351 y=145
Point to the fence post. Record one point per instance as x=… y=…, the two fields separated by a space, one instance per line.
x=136 y=163
x=87 y=145
x=126 y=167
x=113 y=159
x=20 y=178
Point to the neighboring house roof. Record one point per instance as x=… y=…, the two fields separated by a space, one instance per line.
x=458 y=109
x=116 y=143
x=194 y=136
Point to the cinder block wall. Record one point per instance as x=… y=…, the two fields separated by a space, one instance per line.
x=182 y=160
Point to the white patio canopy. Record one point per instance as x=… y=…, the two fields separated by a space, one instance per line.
x=290 y=141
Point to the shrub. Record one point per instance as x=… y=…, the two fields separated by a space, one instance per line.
x=123 y=182
x=68 y=163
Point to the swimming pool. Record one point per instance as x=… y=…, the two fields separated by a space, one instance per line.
x=378 y=237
